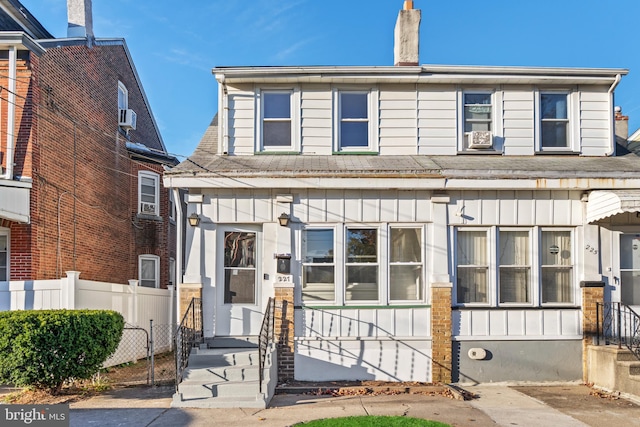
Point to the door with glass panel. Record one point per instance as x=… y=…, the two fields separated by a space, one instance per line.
x=630 y=269
x=238 y=311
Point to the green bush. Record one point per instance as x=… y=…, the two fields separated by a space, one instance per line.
x=44 y=348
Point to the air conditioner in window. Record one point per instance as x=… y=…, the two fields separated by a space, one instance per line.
x=148 y=208
x=128 y=119
x=480 y=139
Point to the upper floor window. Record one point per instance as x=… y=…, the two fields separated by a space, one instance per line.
x=4 y=256
x=149 y=270
x=355 y=124
x=554 y=120
x=477 y=112
x=123 y=96
x=148 y=193
x=276 y=120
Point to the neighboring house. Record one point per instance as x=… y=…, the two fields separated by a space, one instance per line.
x=445 y=222
x=81 y=158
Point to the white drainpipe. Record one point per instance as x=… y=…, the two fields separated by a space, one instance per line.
x=612 y=133
x=11 y=112
x=179 y=246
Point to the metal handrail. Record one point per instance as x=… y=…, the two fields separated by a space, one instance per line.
x=265 y=337
x=188 y=334
x=618 y=324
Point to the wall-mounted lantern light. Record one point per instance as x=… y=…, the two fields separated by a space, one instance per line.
x=283 y=219
x=194 y=220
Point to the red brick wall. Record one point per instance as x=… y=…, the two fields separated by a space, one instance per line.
x=84 y=195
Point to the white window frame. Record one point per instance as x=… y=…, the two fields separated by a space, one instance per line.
x=6 y=233
x=172 y=272
x=335 y=264
x=294 y=119
x=421 y=263
x=172 y=206
x=493 y=290
x=573 y=121
x=122 y=89
x=156 y=261
x=156 y=178
x=496 y=119
x=372 y=120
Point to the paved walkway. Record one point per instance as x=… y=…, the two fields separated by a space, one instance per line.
x=497 y=405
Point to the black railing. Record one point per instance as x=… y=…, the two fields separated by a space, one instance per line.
x=265 y=337
x=618 y=324
x=188 y=335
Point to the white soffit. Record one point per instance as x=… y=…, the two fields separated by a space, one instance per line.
x=14 y=202
x=603 y=204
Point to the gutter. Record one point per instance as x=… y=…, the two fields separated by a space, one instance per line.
x=612 y=121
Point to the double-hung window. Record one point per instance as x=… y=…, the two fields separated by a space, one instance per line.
x=556 y=266
x=405 y=264
x=277 y=127
x=554 y=121
x=148 y=193
x=514 y=266
x=472 y=255
x=318 y=265
x=361 y=264
x=4 y=257
x=354 y=121
x=149 y=270
x=477 y=112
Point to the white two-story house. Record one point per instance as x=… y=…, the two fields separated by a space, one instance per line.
x=413 y=195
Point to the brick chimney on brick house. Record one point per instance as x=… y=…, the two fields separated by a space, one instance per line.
x=80 y=19
x=407 y=36
x=621 y=127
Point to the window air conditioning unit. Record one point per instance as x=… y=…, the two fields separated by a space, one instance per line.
x=480 y=139
x=148 y=208
x=128 y=119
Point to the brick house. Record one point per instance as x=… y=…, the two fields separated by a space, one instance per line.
x=81 y=157
x=433 y=223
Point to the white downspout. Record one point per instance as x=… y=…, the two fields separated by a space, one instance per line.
x=179 y=246
x=612 y=130
x=11 y=112
x=223 y=101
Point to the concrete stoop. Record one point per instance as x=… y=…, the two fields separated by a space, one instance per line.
x=224 y=378
x=614 y=369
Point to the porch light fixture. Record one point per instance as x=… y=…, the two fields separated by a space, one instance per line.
x=194 y=220
x=283 y=219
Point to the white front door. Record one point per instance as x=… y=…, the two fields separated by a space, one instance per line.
x=630 y=269
x=238 y=309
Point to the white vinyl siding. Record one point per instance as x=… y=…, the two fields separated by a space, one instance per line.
x=148 y=193
x=398 y=120
x=595 y=123
x=316 y=120
x=242 y=125
x=518 y=119
x=437 y=120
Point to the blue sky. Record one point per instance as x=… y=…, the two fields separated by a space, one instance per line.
x=175 y=44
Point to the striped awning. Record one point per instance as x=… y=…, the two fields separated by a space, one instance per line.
x=605 y=203
x=14 y=201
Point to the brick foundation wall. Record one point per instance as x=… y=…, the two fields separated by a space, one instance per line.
x=284 y=330
x=441 y=351
x=592 y=293
x=187 y=293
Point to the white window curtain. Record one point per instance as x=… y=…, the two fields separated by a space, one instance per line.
x=405 y=276
x=556 y=266
x=473 y=266
x=515 y=266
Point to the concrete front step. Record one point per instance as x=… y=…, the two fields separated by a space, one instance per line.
x=258 y=401
x=196 y=389
x=249 y=341
x=233 y=373
x=219 y=357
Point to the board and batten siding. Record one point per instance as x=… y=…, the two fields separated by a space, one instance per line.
x=437 y=120
x=523 y=207
x=470 y=324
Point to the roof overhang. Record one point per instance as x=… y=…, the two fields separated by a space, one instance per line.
x=15 y=198
x=605 y=203
x=21 y=41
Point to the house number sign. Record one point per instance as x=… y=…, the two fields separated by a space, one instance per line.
x=284 y=278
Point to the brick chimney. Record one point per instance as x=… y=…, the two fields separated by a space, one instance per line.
x=80 y=19
x=621 y=127
x=407 y=35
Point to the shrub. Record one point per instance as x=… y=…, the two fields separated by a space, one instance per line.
x=44 y=348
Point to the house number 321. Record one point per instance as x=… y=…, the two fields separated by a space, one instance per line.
x=285 y=278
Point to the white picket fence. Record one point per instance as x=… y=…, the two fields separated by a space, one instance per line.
x=138 y=305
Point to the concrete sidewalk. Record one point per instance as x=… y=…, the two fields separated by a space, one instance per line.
x=496 y=405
